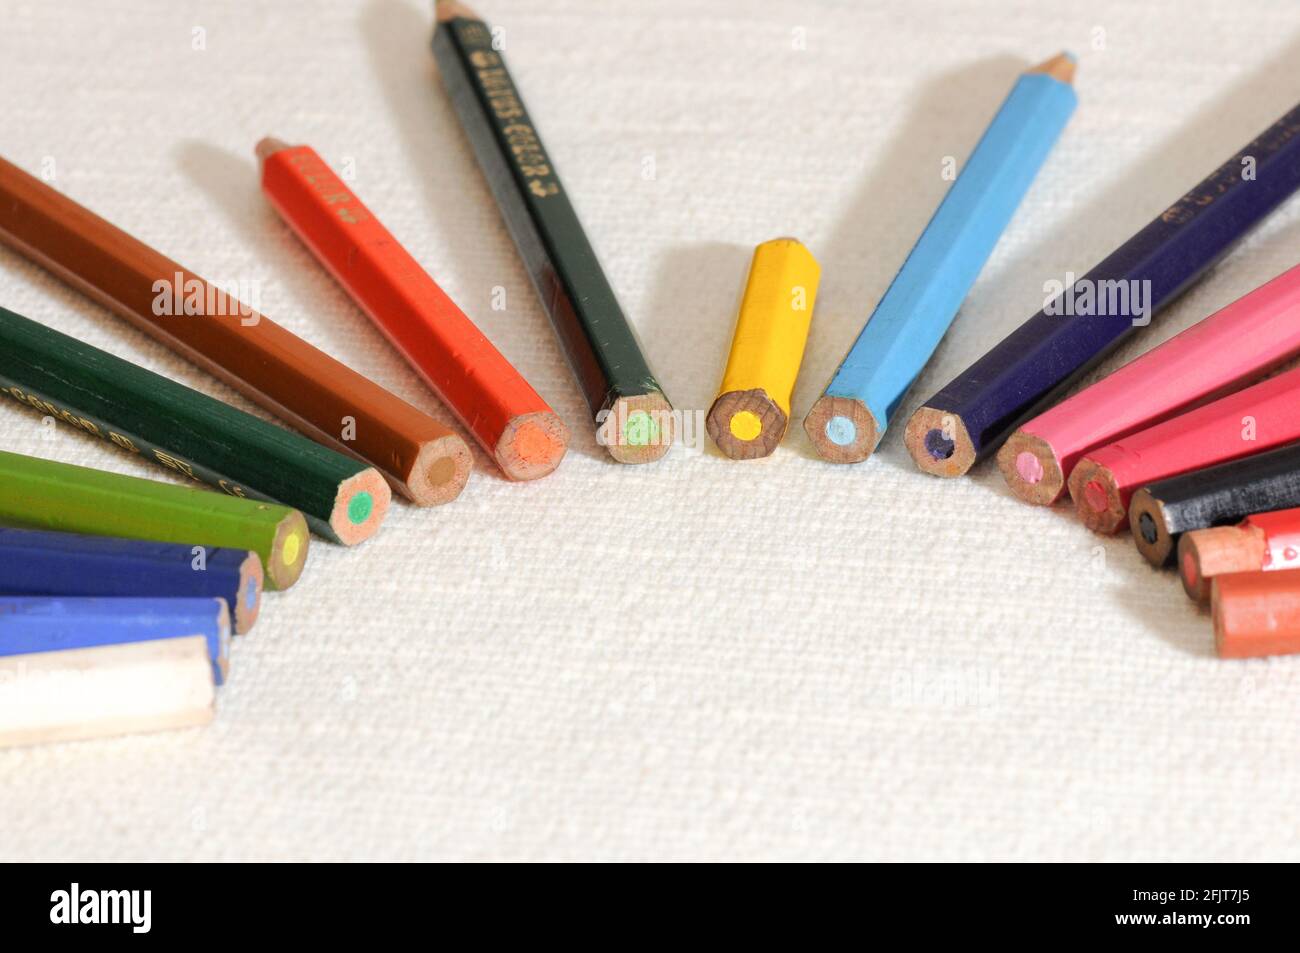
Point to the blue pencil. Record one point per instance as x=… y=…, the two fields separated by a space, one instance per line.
x=849 y=419
x=1086 y=320
x=34 y=563
x=31 y=624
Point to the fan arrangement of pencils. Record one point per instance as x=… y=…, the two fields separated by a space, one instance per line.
x=119 y=596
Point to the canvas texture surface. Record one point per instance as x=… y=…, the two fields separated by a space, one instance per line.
x=699 y=658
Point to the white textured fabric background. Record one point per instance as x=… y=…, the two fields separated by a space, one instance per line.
x=699 y=658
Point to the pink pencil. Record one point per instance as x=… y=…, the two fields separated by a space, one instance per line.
x=1239 y=425
x=1232 y=347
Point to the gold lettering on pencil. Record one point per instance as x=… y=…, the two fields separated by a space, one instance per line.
x=331 y=189
x=123 y=442
x=475 y=33
x=234 y=489
x=521 y=138
x=45 y=407
x=1240 y=168
x=167 y=460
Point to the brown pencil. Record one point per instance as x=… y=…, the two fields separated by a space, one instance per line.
x=320 y=396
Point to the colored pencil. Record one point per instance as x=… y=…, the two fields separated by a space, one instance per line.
x=848 y=421
x=632 y=416
x=30 y=624
x=188 y=432
x=752 y=410
x=1238 y=344
x=1033 y=366
x=1161 y=512
x=34 y=563
x=1249 y=421
x=42 y=494
x=1256 y=613
x=301 y=385
x=110 y=690
x=491 y=399
x=1263 y=542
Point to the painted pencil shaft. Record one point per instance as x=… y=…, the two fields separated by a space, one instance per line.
x=301 y=385
x=1256 y=614
x=30 y=624
x=849 y=419
x=42 y=494
x=632 y=416
x=1249 y=421
x=1028 y=370
x=491 y=399
x=1237 y=344
x=35 y=563
x=752 y=410
x=188 y=432
x=109 y=690
x=1264 y=542
x=1161 y=512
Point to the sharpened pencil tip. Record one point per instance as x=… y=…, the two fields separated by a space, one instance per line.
x=1060 y=67
x=269 y=146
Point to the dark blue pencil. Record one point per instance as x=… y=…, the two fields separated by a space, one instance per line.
x=970 y=418
x=67 y=564
x=33 y=624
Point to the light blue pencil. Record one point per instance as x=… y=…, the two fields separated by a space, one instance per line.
x=31 y=624
x=848 y=420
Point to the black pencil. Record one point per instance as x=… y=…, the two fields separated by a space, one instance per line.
x=1227 y=493
x=632 y=416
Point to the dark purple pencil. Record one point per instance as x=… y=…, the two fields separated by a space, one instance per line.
x=1034 y=365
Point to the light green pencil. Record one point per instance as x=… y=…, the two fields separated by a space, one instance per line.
x=42 y=494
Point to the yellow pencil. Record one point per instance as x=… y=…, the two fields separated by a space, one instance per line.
x=752 y=409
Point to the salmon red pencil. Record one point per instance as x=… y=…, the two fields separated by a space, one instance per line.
x=494 y=402
x=1242 y=342
x=1250 y=421
x=1256 y=613
x=1264 y=542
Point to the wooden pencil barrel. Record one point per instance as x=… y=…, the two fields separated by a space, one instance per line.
x=317 y=394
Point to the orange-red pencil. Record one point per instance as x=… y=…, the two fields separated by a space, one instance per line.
x=1264 y=542
x=506 y=416
x=1256 y=613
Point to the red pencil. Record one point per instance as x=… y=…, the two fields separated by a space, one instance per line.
x=494 y=402
x=1231 y=348
x=1265 y=542
x=1239 y=425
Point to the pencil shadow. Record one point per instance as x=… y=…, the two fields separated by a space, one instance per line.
x=691 y=314
x=1156 y=615
x=231 y=182
x=888 y=213
x=397 y=37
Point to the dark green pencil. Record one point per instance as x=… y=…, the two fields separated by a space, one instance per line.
x=633 y=418
x=188 y=432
